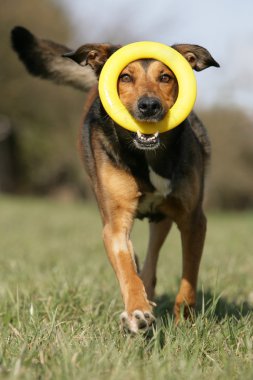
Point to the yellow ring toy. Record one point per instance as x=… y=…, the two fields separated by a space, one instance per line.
x=108 y=80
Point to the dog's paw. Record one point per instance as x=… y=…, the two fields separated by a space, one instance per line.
x=135 y=322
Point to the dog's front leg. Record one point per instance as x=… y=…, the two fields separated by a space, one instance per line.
x=138 y=310
x=117 y=195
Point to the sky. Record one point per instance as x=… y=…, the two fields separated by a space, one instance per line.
x=224 y=27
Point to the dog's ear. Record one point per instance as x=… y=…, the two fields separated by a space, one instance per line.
x=94 y=55
x=198 y=57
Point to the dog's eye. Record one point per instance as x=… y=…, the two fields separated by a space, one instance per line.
x=165 y=78
x=125 y=78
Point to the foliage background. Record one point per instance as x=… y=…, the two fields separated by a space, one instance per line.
x=39 y=120
x=44 y=117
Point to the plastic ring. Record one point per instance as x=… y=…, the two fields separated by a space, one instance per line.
x=187 y=88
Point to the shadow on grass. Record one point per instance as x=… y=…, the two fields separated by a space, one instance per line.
x=209 y=303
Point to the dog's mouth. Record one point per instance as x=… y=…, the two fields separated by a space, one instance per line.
x=146 y=141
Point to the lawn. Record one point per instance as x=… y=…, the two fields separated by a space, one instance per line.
x=60 y=303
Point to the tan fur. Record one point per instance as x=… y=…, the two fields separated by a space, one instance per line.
x=147 y=82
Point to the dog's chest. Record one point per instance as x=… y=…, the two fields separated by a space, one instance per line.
x=162 y=185
x=150 y=201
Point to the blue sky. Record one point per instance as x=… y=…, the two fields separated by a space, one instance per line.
x=224 y=27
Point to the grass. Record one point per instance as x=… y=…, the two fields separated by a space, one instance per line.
x=60 y=303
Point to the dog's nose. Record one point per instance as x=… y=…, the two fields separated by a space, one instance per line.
x=149 y=106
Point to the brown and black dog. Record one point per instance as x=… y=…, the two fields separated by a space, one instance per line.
x=157 y=176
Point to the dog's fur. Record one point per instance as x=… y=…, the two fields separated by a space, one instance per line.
x=161 y=178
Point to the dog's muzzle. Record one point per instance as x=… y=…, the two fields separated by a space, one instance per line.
x=146 y=142
x=148 y=109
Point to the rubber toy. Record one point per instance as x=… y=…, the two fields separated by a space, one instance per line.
x=187 y=88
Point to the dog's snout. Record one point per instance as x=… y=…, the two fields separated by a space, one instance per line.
x=149 y=106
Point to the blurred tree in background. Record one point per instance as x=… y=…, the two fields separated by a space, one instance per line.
x=39 y=122
x=230 y=177
x=44 y=118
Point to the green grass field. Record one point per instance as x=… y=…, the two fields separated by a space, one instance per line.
x=60 y=302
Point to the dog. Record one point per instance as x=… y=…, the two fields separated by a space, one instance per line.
x=155 y=176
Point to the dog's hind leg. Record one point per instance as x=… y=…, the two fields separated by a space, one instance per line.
x=193 y=230
x=157 y=235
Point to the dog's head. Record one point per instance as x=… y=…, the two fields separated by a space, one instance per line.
x=147 y=87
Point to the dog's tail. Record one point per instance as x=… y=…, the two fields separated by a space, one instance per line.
x=43 y=58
